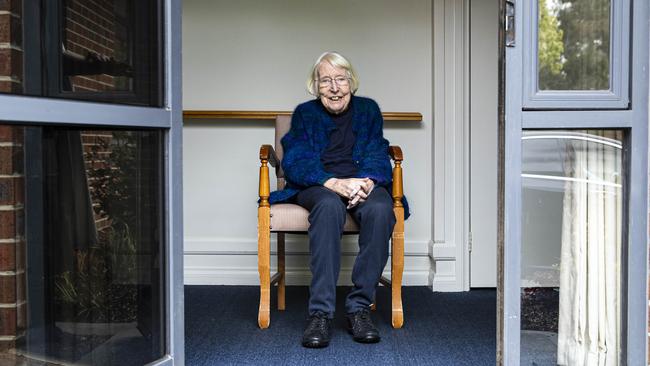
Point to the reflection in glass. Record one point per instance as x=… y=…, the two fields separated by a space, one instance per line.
x=86 y=214
x=96 y=46
x=574 y=44
x=106 y=50
x=571 y=263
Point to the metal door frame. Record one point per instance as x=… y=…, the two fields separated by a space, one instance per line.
x=29 y=110
x=513 y=120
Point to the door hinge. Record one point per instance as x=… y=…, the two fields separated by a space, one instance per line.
x=469 y=241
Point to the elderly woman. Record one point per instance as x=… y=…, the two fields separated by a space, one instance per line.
x=336 y=161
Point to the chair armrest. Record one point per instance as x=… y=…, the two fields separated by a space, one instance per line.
x=396 y=154
x=268 y=153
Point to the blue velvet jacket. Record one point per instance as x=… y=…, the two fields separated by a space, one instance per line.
x=309 y=136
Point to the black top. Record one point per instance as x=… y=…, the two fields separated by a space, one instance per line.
x=337 y=157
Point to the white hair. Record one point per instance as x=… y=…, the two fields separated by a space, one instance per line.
x=337 y=60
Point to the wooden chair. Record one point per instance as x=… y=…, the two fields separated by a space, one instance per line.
x=285 y=218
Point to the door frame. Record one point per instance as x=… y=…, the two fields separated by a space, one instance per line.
x=512 y=121
x=28 y=110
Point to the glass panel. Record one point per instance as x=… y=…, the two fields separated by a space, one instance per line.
x=574 y=44
x=82 y=246
x=96 y=49
x=92 y=50
x=571 y=254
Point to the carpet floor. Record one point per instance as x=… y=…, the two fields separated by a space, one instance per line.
x=450 y=329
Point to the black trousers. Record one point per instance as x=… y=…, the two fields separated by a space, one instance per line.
x=327 y=211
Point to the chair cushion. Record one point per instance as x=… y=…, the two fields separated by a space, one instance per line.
x=292 y=217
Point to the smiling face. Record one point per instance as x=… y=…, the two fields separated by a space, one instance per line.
x=335 y=96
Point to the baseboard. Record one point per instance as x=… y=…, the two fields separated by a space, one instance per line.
x=233 y=261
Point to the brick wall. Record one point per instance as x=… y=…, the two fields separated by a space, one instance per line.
x=11 y=52
x=90 y=26
x=96 y=148
x=12 y=239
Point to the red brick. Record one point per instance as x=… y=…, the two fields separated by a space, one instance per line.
x=5 y=59
x=11 y=87
x=7 y=191
x=11 y=63
x=14 y=6
x=7 y=256
x=10 y=29
x=9 y=358
x=8 y=321
x=7 y=289
x=6 y=133
x=5 y=28
x=11 y=191
x=16 y=31
x=6 y=160
x=19 y=133
x=7 y=224
x=11 y=160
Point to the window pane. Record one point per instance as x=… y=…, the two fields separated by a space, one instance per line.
x=571 y=259
x=96 y=50
x=105 y=50
x=82 y=246
x=574 y=44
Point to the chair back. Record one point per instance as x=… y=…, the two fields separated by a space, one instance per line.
x=282 y=126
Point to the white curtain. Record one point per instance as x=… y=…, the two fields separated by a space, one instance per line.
x=590 y=272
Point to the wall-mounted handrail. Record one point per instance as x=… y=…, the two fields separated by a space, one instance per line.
x=272 y=115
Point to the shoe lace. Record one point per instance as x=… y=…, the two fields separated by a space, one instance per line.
x=363 y=320
x=317 y=323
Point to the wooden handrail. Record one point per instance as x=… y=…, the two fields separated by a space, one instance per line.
x=272 y=115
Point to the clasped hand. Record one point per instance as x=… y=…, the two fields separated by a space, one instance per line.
x=356 y=190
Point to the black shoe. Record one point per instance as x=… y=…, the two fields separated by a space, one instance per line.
x=317 y=333
x=361 y=327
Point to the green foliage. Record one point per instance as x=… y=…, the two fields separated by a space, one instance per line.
x=585 y=24
x=114 y=183
x=550 y=49
x=102 y=286
x=574 y=40
x=91 y=290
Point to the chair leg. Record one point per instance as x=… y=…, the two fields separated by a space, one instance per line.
x=264 y=264
x=397 y=268
x=281 y=269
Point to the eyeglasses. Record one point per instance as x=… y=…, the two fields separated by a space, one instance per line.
x=328 y=82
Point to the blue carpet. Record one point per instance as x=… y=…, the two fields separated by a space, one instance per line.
x=450 y=329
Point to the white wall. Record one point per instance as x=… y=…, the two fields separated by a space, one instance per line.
x=255 y=55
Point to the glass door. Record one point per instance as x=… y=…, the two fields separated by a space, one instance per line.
x=574 y=201
x=90 y=187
